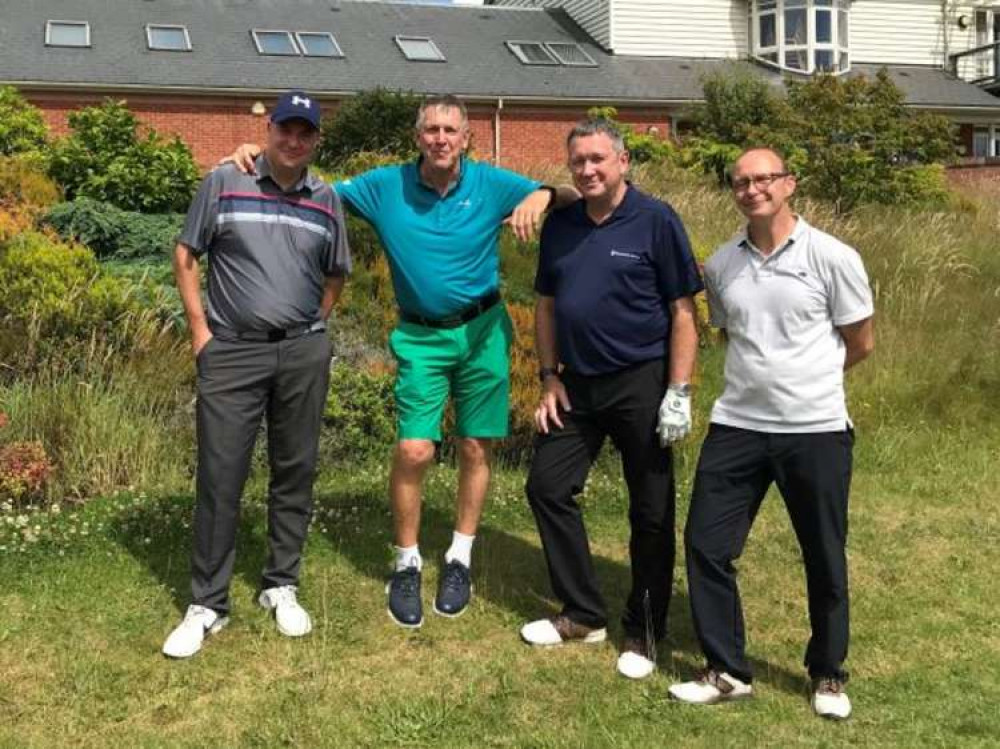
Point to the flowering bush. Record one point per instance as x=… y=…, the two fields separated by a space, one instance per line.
x=25 y=469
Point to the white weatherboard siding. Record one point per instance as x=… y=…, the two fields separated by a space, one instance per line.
x=594 y=16
x=680 y=28
x=982 y=64
x=901 y=32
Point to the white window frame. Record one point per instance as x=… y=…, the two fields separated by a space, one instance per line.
x=514 y=45
x=48 y=33
x=400 y=38
x=171 y=26
x=289 y=34
x=839 y=11
x=551 y=47
x=305 y=52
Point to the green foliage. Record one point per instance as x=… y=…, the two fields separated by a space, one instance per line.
x=111 y=232
x=642 y=148
x=108 y=159
x=54 y=292
x=359 y=415
x=379 y=121
x=23 y=183
x=850 y=140
x=22 y=128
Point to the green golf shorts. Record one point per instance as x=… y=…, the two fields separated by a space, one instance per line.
x=471 y=362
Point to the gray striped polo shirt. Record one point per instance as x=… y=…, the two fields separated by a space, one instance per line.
x=269 y=250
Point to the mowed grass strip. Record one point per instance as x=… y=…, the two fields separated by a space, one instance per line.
x=81 y=633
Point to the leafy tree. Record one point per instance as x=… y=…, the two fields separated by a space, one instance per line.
x=22 y=128
x=108 y=159
x=850 y=140
x=376 y=121
x=642 y=147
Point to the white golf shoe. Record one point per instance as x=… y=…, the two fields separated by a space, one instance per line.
x=292 y=619
x=829 y=700
x=188 y=636
x=710 y=688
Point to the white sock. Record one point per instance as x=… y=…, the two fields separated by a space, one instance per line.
x=460 y=549
x=408 y=556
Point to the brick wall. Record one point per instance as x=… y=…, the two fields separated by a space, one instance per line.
x=976 y=174
x=213 y=126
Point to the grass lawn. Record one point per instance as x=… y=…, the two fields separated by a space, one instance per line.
x=84 y=611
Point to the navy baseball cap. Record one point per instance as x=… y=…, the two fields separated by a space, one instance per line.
x=296 y=105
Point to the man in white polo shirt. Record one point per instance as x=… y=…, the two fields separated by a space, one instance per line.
x=796 y=309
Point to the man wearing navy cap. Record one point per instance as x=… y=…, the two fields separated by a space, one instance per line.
x=279 y=256
x=616 y=339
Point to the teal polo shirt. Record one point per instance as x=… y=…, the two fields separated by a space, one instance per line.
x=442 y=250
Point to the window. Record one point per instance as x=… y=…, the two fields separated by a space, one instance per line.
x=67 y=33
x=170 y=38
x=419 y=49
x=570 y=53
x=532 y=53
x=274 y=42
x=804 y=36
x=318 y=44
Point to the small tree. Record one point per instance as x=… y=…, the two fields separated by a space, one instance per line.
x=22 y=128
x=642 y=148
x=376 y=121
x=107 y=158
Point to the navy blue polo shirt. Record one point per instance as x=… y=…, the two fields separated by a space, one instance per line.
x=613 y=283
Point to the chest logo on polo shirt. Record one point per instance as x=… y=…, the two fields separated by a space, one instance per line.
x=467 y=203
x=629 y=255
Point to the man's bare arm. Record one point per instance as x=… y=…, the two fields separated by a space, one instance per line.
x=188 y=276
x=683 y=340
x=332 y=288
x=859 y=338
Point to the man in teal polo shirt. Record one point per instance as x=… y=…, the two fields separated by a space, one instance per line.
x=439 y=220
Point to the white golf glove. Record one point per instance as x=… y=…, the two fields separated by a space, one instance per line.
x=675 y=414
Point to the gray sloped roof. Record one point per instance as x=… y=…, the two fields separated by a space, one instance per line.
x=472 y=38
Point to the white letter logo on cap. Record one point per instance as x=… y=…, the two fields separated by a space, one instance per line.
x=296 y=100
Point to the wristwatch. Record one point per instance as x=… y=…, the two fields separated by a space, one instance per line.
x=546 y=372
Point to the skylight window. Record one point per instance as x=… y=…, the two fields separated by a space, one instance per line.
x=532 y=53
x=274 y=42
x=318 y=44
x=169 y=38
x=419 y=49
x=570 y=53
x=67 y=33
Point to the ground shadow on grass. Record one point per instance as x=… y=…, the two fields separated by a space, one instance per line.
x=509 y=571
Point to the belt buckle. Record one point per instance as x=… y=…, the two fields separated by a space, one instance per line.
x=276 y=335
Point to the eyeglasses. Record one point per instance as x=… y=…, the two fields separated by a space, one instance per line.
x=760 y=181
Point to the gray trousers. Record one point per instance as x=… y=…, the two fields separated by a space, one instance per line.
x=238 y=383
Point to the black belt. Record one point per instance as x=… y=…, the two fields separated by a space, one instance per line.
x=480 y=306
x=267 y=336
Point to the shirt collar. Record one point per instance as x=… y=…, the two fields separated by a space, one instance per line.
x=622 y=210
x=307 y=181
x=799 y=231
x=452 y=186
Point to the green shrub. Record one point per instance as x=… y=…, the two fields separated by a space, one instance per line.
x=107 y=159
x=23 y=183
x=111 y=232
x=22 y=127
x=359 y=417
x=379 y=121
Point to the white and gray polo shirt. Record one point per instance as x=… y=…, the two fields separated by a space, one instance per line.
x=785 y=357
x=269 y=250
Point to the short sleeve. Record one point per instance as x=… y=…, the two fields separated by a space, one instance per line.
x=545 y=282
x=361 y=194
x=850 y=294
x=202 y=215
x=506 y=188
x=338 y=259
x=676 y=266
x=716 y=310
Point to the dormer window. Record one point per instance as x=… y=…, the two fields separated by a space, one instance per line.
x=802 y=36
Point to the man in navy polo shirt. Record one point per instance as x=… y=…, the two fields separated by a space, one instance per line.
x=616 y=340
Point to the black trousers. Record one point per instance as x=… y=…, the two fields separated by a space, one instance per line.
x=238 y=383
x=623 y=406
x=813 y=474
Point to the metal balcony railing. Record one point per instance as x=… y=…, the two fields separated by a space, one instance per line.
x=978 y=65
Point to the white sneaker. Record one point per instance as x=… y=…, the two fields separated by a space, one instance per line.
x=560 y=629
x=829 y=699
x=634 y=665
x=710 y=688
x=188 y=636
x=292 y=619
